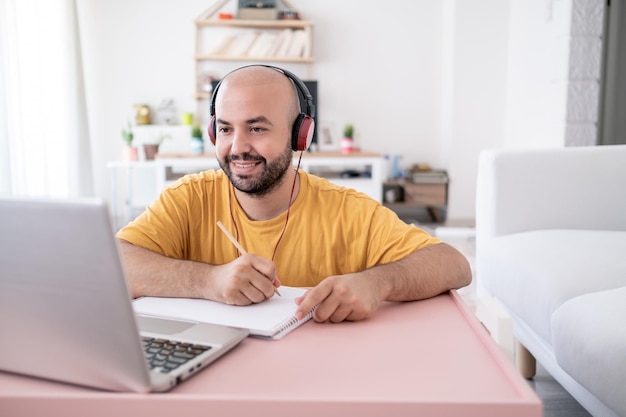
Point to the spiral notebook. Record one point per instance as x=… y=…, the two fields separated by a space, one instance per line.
x=271 y=319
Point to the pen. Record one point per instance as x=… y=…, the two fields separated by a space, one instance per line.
x=237 y=244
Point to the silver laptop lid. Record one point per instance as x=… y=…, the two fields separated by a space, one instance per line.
x=65 y=310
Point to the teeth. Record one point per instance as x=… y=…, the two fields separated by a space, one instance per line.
x=245 y=165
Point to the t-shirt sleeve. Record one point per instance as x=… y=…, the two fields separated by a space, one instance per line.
x=163 y=226
x=391 y=239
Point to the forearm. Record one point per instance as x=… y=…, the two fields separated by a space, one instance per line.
x=152 y=274
x=425 y=273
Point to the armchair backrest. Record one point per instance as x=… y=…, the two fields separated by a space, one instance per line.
x=565 y=188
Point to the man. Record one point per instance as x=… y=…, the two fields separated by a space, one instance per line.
x=297 y=229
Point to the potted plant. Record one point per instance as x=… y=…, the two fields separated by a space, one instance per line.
x=347 y=143
x=197 y=142
x=151 y=149
x=130 y=152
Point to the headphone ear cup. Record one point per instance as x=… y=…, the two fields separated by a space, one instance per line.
x=302 y=133
x=211 y=130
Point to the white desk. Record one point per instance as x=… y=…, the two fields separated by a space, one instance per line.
x=167 y=168
x=123 y=191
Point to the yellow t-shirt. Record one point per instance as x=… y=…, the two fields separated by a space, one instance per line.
x=332 y=230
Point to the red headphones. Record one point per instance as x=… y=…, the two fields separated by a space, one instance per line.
x=303 y=126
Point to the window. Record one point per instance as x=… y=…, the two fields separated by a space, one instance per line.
x=44 y=141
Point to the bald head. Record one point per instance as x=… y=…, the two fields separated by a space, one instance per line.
x=280 y=87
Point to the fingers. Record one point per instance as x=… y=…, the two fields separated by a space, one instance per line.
x=266 y=268
x=340 y=298
x=262 y=265
x=312 y=298
x=330 y=304
x=248 y=279
x=276 y=282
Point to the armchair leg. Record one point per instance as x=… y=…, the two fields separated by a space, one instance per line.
x=525 y=361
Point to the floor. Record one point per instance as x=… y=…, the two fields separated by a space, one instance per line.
x=556 y=400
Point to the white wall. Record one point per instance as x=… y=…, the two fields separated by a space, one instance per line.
x=424 y=79
x=555 y=58
x=474 y=99
x=134 y=51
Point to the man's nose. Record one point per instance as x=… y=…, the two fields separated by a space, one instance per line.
x=241 y=143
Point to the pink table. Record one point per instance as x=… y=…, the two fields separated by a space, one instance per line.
x=427 y=358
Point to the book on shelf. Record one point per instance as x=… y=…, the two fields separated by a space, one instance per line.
x=282 y=41
x=241 y=44
x=307 y=50
x=263 y=44
x=428 y=176
x=288 y=43
x=222 y=46
x=296 y=49
x=285 y=41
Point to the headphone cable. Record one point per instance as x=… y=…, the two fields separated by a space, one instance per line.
x=293 y=187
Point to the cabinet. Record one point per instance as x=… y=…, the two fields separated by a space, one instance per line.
x=418 y=201
x=245 y=41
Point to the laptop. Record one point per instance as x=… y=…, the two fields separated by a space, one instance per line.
x=66 y=312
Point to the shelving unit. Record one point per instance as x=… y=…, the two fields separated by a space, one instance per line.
x=212 y=32
x=431 y=197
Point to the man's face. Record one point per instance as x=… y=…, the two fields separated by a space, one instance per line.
x=253 y=136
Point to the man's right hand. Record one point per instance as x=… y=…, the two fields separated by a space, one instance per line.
x=246 y=280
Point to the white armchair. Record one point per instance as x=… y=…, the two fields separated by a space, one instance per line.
x=551 y=248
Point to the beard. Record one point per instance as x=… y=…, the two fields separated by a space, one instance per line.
x=271 y=177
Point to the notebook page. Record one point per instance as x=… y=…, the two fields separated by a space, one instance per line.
x=262 y=319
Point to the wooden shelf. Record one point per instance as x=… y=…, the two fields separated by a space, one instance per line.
x=356 y=154
x=407 y=206
x=255 y=24
x=213 y=57
x=202 y=96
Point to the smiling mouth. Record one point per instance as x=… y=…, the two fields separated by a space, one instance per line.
x=245 y=164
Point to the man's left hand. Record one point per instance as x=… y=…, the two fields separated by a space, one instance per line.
x=342 y=297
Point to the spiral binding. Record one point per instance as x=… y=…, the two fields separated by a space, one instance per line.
x=291 y=323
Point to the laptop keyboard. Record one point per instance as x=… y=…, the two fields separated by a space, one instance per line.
x=166 y=355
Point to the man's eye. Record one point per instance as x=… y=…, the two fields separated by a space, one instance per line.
x=256 y=129
x=223 y=129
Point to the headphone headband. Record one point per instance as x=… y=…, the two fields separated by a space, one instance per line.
x=309 y=107
x=304 y=125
